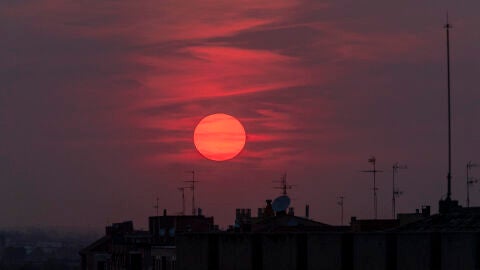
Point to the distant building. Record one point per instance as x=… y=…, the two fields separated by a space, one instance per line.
x=122 y=247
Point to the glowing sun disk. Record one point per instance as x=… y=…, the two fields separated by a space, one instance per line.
x=219 y=137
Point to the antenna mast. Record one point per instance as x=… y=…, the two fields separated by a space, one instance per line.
x=374 y=172
x=449 y=175
x=395 y=192
x=283 y=184
x=470 y=180
x=156 y=207
x=182 y=189
x=192 y=187
x=340 y=202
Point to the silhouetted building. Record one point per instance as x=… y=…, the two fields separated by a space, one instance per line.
x=462 y=220
x=269 y=221
x=414 y=241
x=448 y=205
x=372 y=225
x=406 y=218
x=122 y=247
x=375 y=225
x=164 y=228
x=281 y=240
x=290 y=223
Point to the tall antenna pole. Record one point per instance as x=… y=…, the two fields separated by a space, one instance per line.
x=192 y=187
x=373 y=160
x=395 y=192
x=449 y=175
x=394 y=170
x=470 y=181
x=340 y=202
x=182 y=189
x=156 y=219
x=156 y=207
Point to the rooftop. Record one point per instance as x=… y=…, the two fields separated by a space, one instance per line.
x=461 y=220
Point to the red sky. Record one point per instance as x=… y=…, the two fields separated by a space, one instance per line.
x=99 y=100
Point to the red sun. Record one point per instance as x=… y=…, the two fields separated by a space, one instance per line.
x=219 y=137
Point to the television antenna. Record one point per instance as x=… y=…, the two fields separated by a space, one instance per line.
x=374 y=172
x=340 y=202
x=192 y=187
x=284 y=186
x=470 y=180
x=395 y=191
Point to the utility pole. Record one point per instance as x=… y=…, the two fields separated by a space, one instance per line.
x=192 y=187
x=374 y=172
x=395 y=192
x=470 y=180
x=449 y=175
x=340 y=202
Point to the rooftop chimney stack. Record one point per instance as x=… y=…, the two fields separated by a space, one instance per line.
x=260 y=212
x=426 y=210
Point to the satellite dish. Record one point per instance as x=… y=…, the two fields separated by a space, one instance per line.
x=281 y=203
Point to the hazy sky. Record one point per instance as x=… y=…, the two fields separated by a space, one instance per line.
x=99 y=100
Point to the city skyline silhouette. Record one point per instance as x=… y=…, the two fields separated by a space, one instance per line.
x=99 y=102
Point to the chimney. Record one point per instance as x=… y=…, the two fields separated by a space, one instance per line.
x=164 y=212
x=199 y=211
x=260 y=212
x=291 y=212
x=426 y=210
x=307 y=211
x=268 y=209
x=353 y=219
